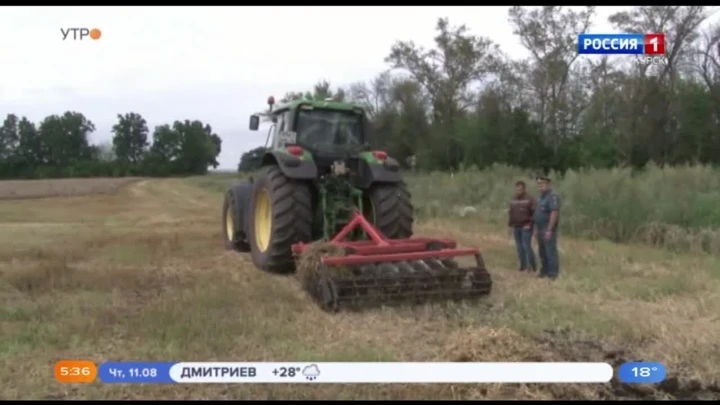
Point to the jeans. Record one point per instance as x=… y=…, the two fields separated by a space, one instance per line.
x=548 y=251
x=523 y=244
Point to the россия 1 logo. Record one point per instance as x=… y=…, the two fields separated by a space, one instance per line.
x=621 y=44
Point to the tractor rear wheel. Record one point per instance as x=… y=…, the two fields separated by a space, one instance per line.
x=233 y=237
x=281 y=216
x=390 y=209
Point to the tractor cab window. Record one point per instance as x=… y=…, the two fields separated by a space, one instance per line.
x=280 y=126
x=329 y=129
x=281 y=122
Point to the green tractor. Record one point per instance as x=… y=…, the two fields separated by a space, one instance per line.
x=319 y=180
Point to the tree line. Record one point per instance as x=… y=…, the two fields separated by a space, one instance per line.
x=464 y=103
x=461 y=103
x=59 y=146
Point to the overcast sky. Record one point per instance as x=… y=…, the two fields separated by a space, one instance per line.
x=215 y=64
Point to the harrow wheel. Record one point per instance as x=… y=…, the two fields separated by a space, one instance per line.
x=326 y=294
x=398 y=283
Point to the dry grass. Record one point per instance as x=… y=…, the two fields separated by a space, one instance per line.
x=309 y=263
x=19 y=189
x=142 y=274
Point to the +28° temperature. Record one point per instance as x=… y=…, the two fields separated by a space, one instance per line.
x=286 y=371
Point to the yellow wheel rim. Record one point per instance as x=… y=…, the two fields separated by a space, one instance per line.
x=263 y=220
x=229 y=226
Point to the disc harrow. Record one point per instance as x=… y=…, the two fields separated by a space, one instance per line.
x=382 y=271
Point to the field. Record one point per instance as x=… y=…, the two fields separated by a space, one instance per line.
x=139 y=273
x=20 y=189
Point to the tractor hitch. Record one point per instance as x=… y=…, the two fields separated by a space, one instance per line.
x=380 y=249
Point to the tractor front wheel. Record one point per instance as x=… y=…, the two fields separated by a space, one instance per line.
x=389 y=208
x=281 y=216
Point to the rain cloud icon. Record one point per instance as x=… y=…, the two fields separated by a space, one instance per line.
x=311 y=372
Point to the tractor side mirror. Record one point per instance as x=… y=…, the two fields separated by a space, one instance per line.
x=254 y=122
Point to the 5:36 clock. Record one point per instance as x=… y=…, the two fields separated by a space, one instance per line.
x=75 y=371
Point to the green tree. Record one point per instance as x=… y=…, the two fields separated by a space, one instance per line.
x=188 y=147
x=165 y=151
x=9 y=144
x=322 y=91
x=199 y=146
x=130 y=138
x=9 y=137
x=31 y=149
x=447 y=73
x=64 y=138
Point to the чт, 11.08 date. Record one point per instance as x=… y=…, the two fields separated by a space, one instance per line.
x=134 y=373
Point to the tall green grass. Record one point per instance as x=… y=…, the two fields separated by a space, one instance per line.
x=674 y=208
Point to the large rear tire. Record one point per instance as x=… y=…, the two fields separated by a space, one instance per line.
x=391 y=209
x=233 y=236
x=281 y=216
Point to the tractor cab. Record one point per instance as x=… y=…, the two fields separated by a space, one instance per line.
x=328 y=129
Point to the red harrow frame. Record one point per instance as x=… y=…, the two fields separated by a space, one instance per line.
x=383 y=270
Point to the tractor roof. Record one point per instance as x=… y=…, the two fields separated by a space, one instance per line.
x=330 y=105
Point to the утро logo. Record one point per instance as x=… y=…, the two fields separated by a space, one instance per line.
x=78 y=34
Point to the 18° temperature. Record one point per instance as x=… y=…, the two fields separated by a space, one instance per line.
x=643 y=371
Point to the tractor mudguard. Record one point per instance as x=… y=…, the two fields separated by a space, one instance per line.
x=293 y=167
x=243 y=193
x=387 y=171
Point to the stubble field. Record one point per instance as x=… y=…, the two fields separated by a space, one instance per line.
x=140 y=273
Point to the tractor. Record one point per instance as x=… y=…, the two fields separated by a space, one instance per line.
x=321 y=195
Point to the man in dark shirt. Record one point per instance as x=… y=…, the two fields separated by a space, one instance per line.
x=520 y=222
x=547 y=219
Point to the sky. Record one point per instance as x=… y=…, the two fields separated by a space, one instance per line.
x=214 y=64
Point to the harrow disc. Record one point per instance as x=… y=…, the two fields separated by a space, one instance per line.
x=393 y=283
